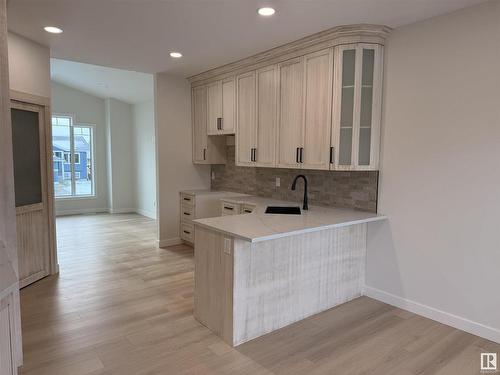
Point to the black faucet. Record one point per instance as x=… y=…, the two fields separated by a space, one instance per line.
x=304 y=206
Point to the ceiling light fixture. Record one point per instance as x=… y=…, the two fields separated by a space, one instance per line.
x=175 y=55
x=266 y=11
x=53 y=29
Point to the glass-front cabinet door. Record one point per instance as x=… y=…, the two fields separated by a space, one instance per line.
x=356 y=107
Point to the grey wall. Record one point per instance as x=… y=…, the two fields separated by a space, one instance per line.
x=439 y=253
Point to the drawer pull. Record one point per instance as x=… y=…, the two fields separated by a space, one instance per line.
x=185 y=231
x=187 y=213
x=228 y=208
x=187 y=199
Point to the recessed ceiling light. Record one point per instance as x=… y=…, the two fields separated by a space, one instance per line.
x=53 y=29
x=175 y=55
x=266 y=11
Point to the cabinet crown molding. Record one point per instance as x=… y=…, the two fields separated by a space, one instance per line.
x=346 y=34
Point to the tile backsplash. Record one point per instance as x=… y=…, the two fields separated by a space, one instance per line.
x=357 y=190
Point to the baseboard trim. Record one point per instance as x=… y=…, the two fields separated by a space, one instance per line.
x=122 y=210
x=169 y=242
x=150 y=214
x=440 y=316
x=82 y=211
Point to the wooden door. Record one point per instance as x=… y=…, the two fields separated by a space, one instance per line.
x=228 y=122
x=267 y=84
x=199 y=113
x=318 y=109
x=246 y=135
x=31 y=193
x=291 y=112
x=214 y=107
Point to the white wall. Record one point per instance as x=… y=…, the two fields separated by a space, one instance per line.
x=121 y=165
x=85 y=109
x=145 y=160
x=175 y=170
x=29 y=66
x=439 y=253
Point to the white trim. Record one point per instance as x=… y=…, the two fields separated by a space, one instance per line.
x=150 y=214
x=169 y=242
x=81 y=211
x=440 y=316
x=122 y=210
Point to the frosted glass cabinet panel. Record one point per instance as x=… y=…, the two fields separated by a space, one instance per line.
x=356 y=107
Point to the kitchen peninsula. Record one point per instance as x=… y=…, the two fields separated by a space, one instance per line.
x=258 y=272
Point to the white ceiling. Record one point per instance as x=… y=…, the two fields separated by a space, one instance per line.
x=128 y=86
x=139 y=34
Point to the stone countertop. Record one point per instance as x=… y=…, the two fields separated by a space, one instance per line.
x=212 y=192
x=259 y=226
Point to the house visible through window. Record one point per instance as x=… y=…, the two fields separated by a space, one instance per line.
x=73 y=176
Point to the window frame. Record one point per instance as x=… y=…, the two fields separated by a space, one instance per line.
x=72 y=163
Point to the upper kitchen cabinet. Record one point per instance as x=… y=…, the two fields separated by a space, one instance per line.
x=357 y=107
x=206 y=150
x=256 y=118
x=305 y=111
x=291 y=113
x=221 y=103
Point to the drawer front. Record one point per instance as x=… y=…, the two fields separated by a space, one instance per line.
x=247 y=208
x=187 y=212
x=187 y=199
x=230 y=208
x=187 y=232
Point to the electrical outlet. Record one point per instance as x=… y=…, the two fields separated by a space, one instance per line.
x=278 y=182
x=227 y=245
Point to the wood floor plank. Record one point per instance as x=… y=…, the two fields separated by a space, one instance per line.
x=121 y=306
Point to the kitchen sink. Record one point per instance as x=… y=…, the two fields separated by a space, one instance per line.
x=295 y=210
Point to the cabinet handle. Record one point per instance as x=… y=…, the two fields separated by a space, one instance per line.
x=228 y=208
x=187 y=199
x=219 y=123
x=187 y=213
x=254 y=154
x=185 y=231
x=204 y=154
x=302 y=154
x=248 y=211
x=332 y=155
x=297 y=155
x=251 y=154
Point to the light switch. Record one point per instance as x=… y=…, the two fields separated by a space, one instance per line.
x=278 y=182
x=227 y=245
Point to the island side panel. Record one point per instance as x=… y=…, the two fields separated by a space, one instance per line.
x=281 y=281
x=213 y=282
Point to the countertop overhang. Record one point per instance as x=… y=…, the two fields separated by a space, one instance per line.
x=259 y=226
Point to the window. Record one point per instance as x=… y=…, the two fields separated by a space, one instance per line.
x=73 y=176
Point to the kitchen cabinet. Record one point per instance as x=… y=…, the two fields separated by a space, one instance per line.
x=291 y=112
x=206 y=149
x=305 y=111
x=221 y=107
x=357 y=96
x=256 y=118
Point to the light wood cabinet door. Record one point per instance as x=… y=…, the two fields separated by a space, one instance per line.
x=228 y=122
x=291 y=112
x=267 y=83
x=318 y=101
x=247 y=130
x=357 y=106
x=214 y=107
x=199 y=113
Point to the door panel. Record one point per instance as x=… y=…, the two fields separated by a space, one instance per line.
x=228 y=106
x=30 y=179
x=199 y=124
x=246 y=136
x=266 y=116
x=214 y=107
x=291 y=112
x=318 y=99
